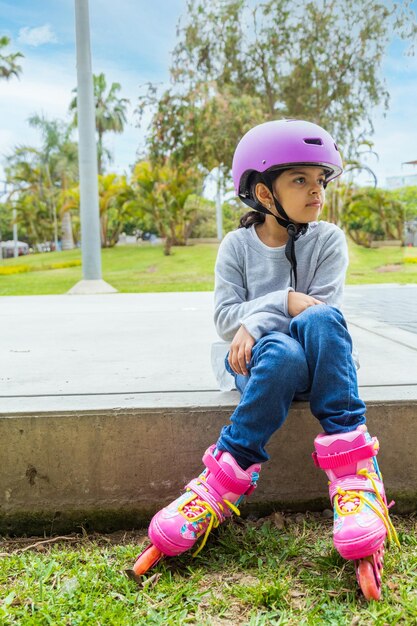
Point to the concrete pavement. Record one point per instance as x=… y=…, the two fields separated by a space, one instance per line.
x=395 y=305
x=107 y=403
x=106 y=351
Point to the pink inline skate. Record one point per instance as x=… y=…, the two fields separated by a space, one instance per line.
x=207 y=501
x=361 y=519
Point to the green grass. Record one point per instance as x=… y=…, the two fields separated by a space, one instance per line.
x=146 y=269
x=250 y=573
x=127 y=268
x=381 y=265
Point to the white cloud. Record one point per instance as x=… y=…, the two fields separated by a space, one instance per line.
x=36 y=36
x=143 y=33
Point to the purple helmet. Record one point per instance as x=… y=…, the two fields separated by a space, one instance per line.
x=281 y=144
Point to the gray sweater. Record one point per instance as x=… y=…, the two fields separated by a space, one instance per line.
x=252 y=281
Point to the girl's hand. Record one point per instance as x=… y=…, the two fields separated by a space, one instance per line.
x=299 y=302
x=241 y=351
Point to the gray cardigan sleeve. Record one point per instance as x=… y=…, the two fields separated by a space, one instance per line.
x=267 y=313
x=231 y=307
x=328 y=281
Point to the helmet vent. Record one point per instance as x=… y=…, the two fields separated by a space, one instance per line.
x=314 y=141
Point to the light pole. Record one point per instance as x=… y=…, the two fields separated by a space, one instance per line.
x=15 y=248
x=87 y=157
x=219 y=203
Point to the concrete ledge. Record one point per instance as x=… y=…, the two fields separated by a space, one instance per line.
x=113 y=467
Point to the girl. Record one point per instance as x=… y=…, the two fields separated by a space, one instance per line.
x=279 y=287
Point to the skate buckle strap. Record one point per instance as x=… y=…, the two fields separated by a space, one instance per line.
x=338 y=459
x=225 y=481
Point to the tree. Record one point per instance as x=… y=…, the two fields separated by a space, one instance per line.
x=6 y=227
x=59 y=156
x=110 y=114
x=117 y=203
x=339 y=193
x=117 y=206
x=25 y=174
x=8 y=63
x=200 y=127
x=408 y=197
x=68 y=204
x=38 y=177
x=235 y=66
x=373 y=215
x=168 y=194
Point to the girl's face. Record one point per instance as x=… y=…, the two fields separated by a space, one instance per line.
x=300 y=191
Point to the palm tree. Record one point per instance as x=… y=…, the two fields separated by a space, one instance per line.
x=8 y=65
x=39 y=176
x=66 y=168
x=28 y=196
x=60 y=165
x=69 y=200
x=110 y=113
x=117 y=203
x=167 y=193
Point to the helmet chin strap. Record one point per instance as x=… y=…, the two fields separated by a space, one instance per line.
x=294 y=230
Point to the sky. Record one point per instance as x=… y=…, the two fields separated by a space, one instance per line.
x=131 y=43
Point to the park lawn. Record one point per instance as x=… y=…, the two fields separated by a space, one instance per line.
x=128 y=268
x=381 y=265
x=277 y=571
x=144 y=268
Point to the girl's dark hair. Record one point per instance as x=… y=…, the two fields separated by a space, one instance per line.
x=251 y=217
x=255 y=217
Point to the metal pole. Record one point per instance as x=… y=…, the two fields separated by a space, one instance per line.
x=16 y=252
x=219 y=213
x=55 y=230
x=87 y=149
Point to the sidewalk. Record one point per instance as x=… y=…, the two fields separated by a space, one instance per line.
x=108 y=402
x=118 y=350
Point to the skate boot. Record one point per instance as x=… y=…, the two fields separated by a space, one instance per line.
x=207 y=501
x=361 y=519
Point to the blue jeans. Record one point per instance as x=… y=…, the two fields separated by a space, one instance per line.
x=314 y=362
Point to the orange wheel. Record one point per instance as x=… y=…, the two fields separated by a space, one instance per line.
x=147 y=560
x=144 y=562
x=367 y=580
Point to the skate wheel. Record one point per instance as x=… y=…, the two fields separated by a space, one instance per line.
x=145 y=562
x=368 y=581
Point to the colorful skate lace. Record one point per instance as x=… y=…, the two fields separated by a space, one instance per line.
x=348 y=502
x=204 y=516
x=361 y=514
